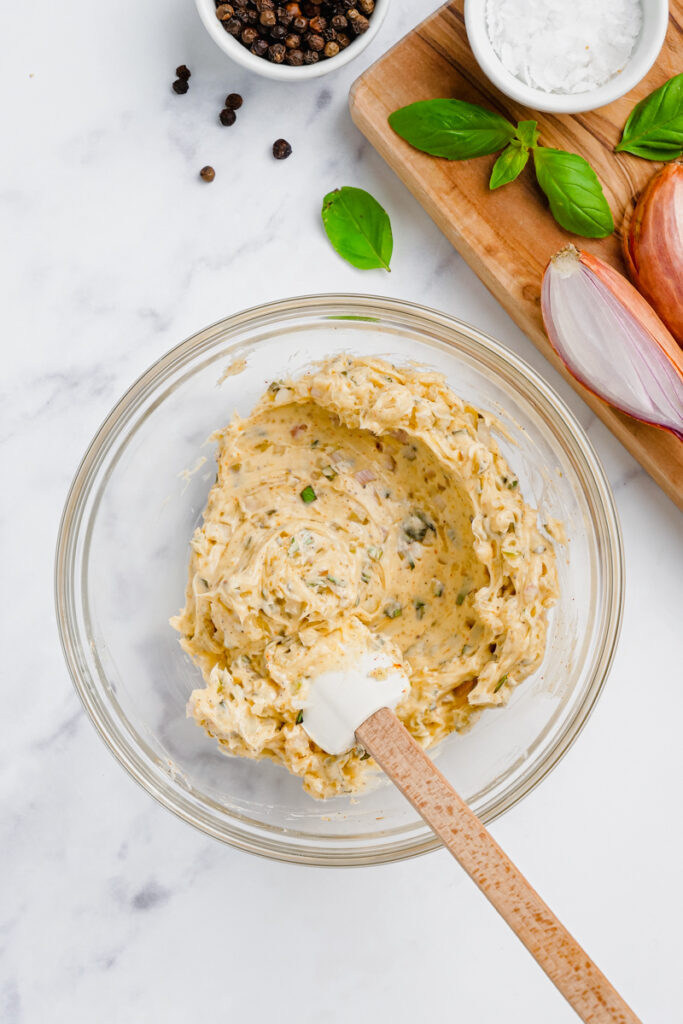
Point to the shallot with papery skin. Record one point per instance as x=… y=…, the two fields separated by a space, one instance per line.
x=653 y=246
x=611 y=339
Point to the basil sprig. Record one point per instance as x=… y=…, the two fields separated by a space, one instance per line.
x=574 y=193
x=452 y=128
x=655 y=128
x=461 y=131
x=358 y=228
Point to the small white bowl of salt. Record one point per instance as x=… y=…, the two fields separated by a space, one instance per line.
x=566 y=56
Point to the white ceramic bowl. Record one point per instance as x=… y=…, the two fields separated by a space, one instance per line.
x=648 y=45
x=283 y=72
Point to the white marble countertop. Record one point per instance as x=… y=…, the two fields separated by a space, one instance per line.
x=113 y=251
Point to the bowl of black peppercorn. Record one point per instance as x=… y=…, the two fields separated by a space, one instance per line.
x=292 y=40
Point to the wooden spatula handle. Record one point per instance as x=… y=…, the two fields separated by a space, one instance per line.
x=564 y=961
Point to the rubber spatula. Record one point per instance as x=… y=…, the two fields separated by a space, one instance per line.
x=352 y=704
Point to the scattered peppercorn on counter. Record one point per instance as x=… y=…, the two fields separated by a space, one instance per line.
x=362 y=497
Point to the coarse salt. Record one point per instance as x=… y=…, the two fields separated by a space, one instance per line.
x=564 y=46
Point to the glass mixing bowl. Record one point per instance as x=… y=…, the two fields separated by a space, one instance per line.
x=122 y=560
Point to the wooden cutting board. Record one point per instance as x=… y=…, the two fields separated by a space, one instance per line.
x=508 y=236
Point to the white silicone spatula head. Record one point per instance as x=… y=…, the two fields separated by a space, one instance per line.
x=341 y=699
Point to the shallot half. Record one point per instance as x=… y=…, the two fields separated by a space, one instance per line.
x=611 y=340
x=653 y=246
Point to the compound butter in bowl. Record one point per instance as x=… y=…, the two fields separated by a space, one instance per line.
x=141 y=494
x=361 y=506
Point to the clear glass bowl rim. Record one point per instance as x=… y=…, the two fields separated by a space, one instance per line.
x=332 y=306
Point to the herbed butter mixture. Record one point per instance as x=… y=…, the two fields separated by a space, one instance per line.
x=360 y=498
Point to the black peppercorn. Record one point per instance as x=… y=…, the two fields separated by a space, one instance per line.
x=207 y=173
x=300 y=24
x=329 y=34
x=358 y=22
x=339 y=22
x=224 y=12
x=283 y=16
x=292 y=41
x=234 y=26
x=343 y=40
x=276 y=53
x=234 y=100
x=281 y=149
x=278 y=33
x=316 y=42
x=295 y=58
x=249 y=34
x=259 y=47
x=183 y=72
x=265 y=5
x=180 y=86
x=366 y=6
x=311 y=57
x=268 y=19
x=331 y=49
x=310 y=10
x=318 y=24
x=227 y=116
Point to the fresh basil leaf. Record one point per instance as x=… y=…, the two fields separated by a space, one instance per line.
x=452 y=128
x=509 y=165
x=358 y=228
x=576 y=199
x=527 y=133
x=655 y=128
